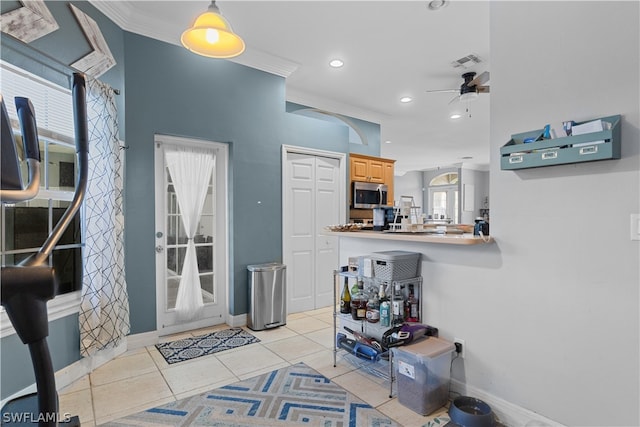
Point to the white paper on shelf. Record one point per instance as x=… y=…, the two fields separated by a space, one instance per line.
x=589 y=127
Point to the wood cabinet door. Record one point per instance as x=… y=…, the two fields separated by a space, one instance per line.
x=376 y=171
x=359 y=169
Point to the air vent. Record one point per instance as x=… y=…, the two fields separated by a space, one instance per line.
x=466 y=61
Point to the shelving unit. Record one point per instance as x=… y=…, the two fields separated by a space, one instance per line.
x=381 y=368
x=588 y=147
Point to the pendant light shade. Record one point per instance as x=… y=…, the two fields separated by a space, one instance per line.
x=212 y=36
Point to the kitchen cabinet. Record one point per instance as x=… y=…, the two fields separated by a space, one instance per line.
x=373 y=169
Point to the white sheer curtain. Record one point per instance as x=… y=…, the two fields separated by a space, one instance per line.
x=190 y=170
x=104 y=302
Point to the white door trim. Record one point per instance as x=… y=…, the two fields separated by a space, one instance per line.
x=222 y=224
x=342 y=158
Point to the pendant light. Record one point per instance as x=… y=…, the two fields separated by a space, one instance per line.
x=212 y=36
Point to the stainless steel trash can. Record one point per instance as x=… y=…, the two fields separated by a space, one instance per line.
x=267 y=296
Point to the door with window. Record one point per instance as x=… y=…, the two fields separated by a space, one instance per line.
x=172 y=240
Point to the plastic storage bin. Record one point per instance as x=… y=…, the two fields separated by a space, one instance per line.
x=422 y=373
x=395 y=265
x=268 y=296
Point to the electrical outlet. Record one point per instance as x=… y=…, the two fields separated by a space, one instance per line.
x=461 y=342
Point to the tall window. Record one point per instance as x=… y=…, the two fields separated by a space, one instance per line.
x=25 y=226
x=443 y=197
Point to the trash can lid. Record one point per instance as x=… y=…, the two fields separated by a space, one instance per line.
x=266 y=267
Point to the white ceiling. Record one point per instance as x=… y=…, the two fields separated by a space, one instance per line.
x=390 y=49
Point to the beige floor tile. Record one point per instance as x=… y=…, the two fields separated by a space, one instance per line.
x=324 y=337
x=406 y=416
x=294 y=347
x=175 y=337
x=79 y=384
x=196 y=374
x=325 y=317
x=209 y=329
x=322 y=362
x=275 y=334
x=294 y=316
x=357 y=383
x=132 y=410
x=129 y=395
x=157 y=357
x=263 y=370
x=249 y=358
x=323 y=310
x=77 y=403
x=123 y=367
x=202 y=390
x=306 y=325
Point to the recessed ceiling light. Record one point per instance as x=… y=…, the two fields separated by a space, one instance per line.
x=406 y=99
x=437 y=4
x=455 y=116
x=336 y=63
x=387 y=142
x=466 y=157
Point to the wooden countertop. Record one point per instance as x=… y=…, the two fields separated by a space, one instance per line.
x=452 y=239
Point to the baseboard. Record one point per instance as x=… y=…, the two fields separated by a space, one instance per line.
x=144 y=339
x=69 y=374
x=508 y=413
x=235 y=321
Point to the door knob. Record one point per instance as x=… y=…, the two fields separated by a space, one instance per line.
x=159 y=249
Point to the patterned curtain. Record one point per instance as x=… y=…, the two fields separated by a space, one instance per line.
x=104 y=304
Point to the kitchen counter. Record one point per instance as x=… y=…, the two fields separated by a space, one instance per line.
x=452 y=239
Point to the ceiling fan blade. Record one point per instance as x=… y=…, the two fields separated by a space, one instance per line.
x=482 y=89
x=480 y=79
x=443 y=91
x=455 y=99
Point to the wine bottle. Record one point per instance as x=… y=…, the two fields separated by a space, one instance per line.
x=345 y=298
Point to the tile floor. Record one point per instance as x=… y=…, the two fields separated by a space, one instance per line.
x=141 y=379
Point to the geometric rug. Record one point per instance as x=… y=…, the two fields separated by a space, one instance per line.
x=202 y=345
x=293 y=396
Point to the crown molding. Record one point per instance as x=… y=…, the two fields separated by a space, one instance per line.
x=126 y=16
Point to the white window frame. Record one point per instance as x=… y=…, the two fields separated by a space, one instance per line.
x=69 y=303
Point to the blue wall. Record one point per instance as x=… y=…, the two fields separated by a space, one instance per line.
x=172 y=91
x=166 y=89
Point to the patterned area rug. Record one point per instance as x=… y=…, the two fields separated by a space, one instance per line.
x=292 y=396
x=190 y=348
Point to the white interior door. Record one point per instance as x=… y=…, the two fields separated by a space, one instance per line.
x=313 y=197
x=171 y=242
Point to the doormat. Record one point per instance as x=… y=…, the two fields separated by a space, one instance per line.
x=293 y=396
x=202 y=345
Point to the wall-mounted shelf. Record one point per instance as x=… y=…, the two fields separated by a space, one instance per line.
x=603 y=145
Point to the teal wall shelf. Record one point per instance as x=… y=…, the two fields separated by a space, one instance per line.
x=604 y=145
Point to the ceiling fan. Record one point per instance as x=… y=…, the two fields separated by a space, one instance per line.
x=472 y=85
x=468 y=91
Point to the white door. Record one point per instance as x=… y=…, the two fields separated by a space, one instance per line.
x=171 y=241
x=313 y=197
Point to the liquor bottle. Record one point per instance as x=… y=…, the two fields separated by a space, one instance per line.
x=373 y=310
x=397 y=305
x=345 y=298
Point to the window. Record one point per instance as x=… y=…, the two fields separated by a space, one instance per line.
x=443 y=197
x=25 y=226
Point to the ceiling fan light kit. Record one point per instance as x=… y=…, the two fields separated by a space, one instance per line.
x=211 y=35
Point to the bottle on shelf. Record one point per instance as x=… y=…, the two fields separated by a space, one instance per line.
x=397 y=305
x=359 y=306
x=373 y=309
x=345 y=298
x=413 y=304
x=385 y=313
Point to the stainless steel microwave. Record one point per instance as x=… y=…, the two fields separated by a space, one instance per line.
x=368 y=195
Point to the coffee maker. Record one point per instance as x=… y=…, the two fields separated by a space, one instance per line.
x=382 y=217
